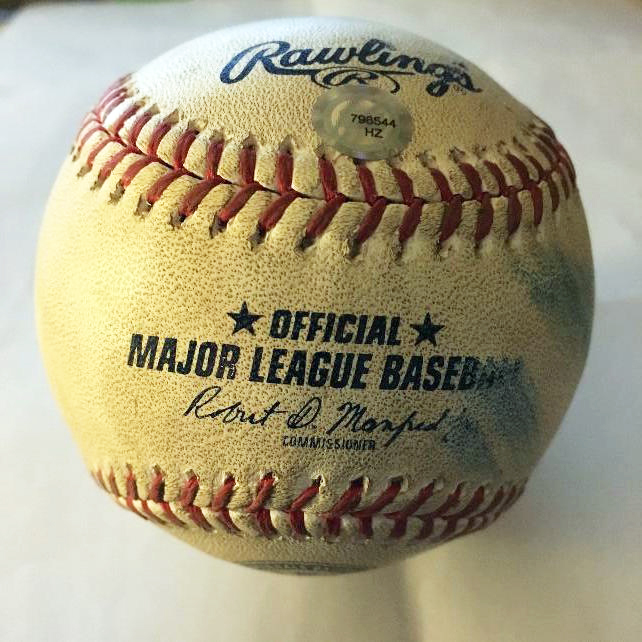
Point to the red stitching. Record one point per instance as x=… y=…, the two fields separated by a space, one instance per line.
x=156 y=136
x=559 y=164
x=182 y=147
x=348 y=501
x=365 y=515
x=236 y=203
x=124 y=117
x=247 y=164
x=284 y=170
x=219 y=504
x=367 y=184
x=186 y=500
x=214 y=151
x=132 y=492
x=400 y=517
x=138 y=125
x=322 y=217
x=109 y=166
x=442 y=185
x=484 y=218
x=473 y=513
x=157 y=495
x=370 y=221
x=262 y=514
x=474 y=180
x=410 y=220
x=273 y=212
x=295 y=511
x=405 y=185
x=328 y=178
x=194 y=196
x=452 y=218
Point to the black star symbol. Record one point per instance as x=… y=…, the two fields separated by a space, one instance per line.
x=243 y=320
x=426 y=330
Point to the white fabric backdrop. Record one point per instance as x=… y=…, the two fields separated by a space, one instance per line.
x=564 y=564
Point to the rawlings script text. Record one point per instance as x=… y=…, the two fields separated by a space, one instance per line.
x=334 y=66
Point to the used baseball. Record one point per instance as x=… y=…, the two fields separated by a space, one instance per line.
x=314 y=294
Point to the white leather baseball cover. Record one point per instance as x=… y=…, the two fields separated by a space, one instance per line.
x=314 y=294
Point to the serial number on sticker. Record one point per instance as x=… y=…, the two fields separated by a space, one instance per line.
x=369 y=119
x=363 y=122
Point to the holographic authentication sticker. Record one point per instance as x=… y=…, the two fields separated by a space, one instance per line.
x=364 y=122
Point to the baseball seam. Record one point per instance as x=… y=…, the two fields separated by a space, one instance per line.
x=456 y=515
x=119 y=118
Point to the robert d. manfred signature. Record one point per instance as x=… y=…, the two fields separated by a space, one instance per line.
x=348 y=415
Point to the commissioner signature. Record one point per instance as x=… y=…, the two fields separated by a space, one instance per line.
x=348 y=416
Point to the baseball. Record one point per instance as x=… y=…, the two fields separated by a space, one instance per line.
x=314 y=294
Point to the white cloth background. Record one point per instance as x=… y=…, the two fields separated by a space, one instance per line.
x=564 y=564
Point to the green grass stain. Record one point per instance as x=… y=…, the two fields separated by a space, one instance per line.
x=498 y=420
x=563 y=291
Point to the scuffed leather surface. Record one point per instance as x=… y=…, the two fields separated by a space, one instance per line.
x=105 y=272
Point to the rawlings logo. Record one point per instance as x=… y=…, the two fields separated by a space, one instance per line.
x=331 y=67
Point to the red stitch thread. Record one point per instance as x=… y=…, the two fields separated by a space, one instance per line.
x=273 y=212
x=442 y=184
x=322 y=217
x=214 y=151
x=538 y=203
x=295 y=511
x=348 y=501
x=484 y=218
x=451 y=520
x=410 y=220
x=147 y=513
x=219 y=505
x=555 y=195
x=365 y=514
x=186 y=500
x=182 y=147
x=161 y=184
x=156 y=136
x=328 y=178
x=405 y=185
x=194 y=196
x=514 y=214
x=257 y=508
x=87 y=135
x=370 y=221
x=247 y=164
x=520 y=168
x=111 y=481
x=367 y=184
x=472 y=513
x=123 y=118
x=544 y=140
x=452 y=218
x=237 y=202
x=487 y=512
x=474 y=180
x=429 y=519
x=400 y=517
x=498 y=175
x=156 y=495
x=110 y=102
x=130 y=173
x=98 y=476
x=284 y=169
x=89 y=163
x=109 y=166
x=138 y=125
x=132 y=492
